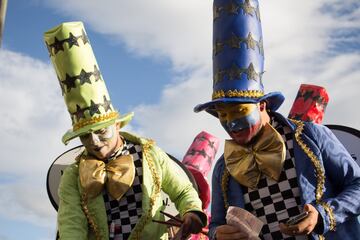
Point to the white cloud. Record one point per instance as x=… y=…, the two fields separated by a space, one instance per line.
x=162 y=28
x=297 y=35
x=297 y=39
x=34 y=118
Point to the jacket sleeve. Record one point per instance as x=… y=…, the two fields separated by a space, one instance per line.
x=343 y=174
x=72 y=222
x=218 y=211
x=179 y=189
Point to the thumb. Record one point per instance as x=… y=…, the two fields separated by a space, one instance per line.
x=307 y=207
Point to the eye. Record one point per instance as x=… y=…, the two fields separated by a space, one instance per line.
x=222 y=115
x=84 y=137
x=101 y=131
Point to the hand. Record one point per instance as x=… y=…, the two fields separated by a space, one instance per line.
x=191 y=224
x=304 y=227
x=228 y=232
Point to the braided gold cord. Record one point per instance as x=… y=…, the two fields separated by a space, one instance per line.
x=224 y=187
x=93 y=120
x=330 y=212
x=90 y=219
x=140 y=225
x=320 y=174
x=237 y=93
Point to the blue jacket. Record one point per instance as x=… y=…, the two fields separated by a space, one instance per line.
x=328 y=178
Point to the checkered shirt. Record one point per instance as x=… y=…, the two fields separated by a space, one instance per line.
x=124 y=214
x=276 y=201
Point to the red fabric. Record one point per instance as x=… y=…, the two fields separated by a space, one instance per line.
x=310 y=104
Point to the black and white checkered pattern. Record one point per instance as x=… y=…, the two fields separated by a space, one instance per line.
x=125 y=213
x=274 y=202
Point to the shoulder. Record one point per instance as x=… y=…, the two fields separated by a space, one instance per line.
x=219 y=167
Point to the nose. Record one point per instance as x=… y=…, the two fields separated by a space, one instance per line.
x=94 y=138
x=231 y=125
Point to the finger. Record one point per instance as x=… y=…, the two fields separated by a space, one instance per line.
x=227 y=229
x=286 y=229
x=231 y=236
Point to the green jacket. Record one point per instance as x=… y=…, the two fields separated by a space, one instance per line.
x=81 y=218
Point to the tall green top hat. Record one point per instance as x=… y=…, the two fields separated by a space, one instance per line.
x=82 y=85
x=238 y=56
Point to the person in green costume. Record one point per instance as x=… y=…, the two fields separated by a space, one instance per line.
x=112 y=191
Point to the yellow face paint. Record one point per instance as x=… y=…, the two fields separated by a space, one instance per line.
x=232 y=111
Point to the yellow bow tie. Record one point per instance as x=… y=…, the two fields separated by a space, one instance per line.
x=266 y=155
x=118 y=175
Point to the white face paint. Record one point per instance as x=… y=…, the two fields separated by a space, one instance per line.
x=103 y=142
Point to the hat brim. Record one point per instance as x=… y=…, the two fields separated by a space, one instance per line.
x=273 y=100
x=70 y=134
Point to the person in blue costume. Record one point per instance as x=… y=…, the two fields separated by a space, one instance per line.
x=272 y=166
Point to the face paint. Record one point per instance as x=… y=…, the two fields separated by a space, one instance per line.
x=241 y=121
x=101 y=143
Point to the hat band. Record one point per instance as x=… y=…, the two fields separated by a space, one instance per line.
x=97 y=119
x=237 y=93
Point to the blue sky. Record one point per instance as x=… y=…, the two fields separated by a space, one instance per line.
x=155 y=58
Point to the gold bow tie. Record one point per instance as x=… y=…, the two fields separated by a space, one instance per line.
x=118 y=175
x=266 y=155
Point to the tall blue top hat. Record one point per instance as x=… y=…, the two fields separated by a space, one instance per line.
x=238 y=56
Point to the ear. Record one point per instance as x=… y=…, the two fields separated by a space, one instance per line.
x=118 y=126
x=262 y=106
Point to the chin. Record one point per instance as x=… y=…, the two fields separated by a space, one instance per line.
x=245 y=136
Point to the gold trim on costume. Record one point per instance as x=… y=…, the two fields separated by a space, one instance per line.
x=224 y=187
x=88 y=216
x=320 y=174
x=237 y=93
x=330 y=212
x=319 y=170
x=86 y=122
x=140 y=225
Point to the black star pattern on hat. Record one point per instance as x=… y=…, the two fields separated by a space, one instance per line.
x=61 y=86
x=202 y=153
x=79 y=112
x=218 y=47
x=211 y=144
x=96 y=73
x=94 y=108
x=297 y=116
x=232 y=8
x=84 y=37
x=234 y=72
x=48 y=48
x=251 y=73
x=57 y=45
x=216 y=12
x=250 y=42
x=234 y=41
x=218 y=76
x=72 y=40
x=320 y=100
x=201 y=138
x=84 y=77
x=247 y=8
x=299 y=95
x=191 y=152
x=69 y=82
x=307 y=94
x=107 y=104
